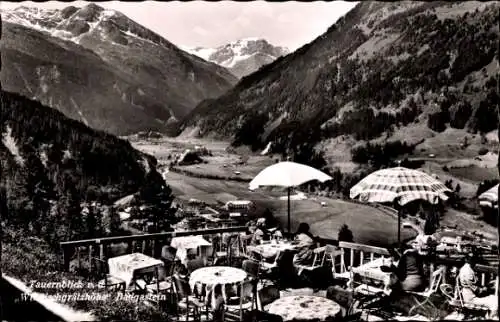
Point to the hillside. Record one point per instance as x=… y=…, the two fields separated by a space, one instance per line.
x=100 y=67
x=52 y=162
x=383 y=71
x=241 y=57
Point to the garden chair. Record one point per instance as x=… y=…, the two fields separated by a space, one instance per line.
x=456 y=300
x=186 y=301
x=318 y=260
x=165 y=282
x=436 y=278
x=109 y=281
x=247 y=301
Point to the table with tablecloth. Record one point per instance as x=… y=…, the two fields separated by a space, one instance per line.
x=204 y=279
x=304 y=307
x=272 y=249
x=129 y=267
x=184 y=244
x=372 y=271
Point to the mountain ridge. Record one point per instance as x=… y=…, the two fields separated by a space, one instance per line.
x=149 y=88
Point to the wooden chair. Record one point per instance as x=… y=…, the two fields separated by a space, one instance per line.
x=247 y=301
x=185 y=299
x=267 y=295
x=165 y=283
x=252 y=268
x=436 y=278
x=109 y=281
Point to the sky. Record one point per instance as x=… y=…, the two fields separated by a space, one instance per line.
x=211 y=24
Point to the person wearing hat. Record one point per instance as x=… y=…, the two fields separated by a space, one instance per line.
x=471 y=293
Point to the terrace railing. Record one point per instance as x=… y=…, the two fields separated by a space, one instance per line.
x=354 y=255
x=100 y=247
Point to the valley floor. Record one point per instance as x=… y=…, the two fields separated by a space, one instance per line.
x=368 y=224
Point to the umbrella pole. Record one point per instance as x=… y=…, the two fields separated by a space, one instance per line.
x=289 y=230
x=399 y=229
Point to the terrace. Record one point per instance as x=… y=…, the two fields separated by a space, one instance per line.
x=351 y=286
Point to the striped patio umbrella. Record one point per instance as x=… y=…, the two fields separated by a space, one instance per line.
x=489 y=198
x=401 y=185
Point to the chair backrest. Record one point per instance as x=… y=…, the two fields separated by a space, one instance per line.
x=194 y=264
x=169 y=266
x=457 y=295
x=319 y=256
x=181 y=287
x=247 y=292
x=436 y=278
x=251 y=267
x=268 y=294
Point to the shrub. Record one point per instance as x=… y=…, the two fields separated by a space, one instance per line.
x=460 y=113
x=437 y=121
x=380 y=155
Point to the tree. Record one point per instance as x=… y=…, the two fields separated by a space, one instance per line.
x=157 y=198
x=114 y=222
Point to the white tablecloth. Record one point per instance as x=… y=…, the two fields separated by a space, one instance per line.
x=127 y=267
x=372 y=270
x=270 y=250
x=304 y=307
x=207 y=277
x=183 y=244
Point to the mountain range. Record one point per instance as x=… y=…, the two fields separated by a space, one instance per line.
x=102 y=68
x=385 y=71
x=241 y=57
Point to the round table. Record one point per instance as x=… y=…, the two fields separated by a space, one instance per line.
x=271 y=250
x=205 y=278
x=304 y=307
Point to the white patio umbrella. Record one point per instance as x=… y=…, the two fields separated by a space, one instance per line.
x=399 y=184
x=489 y=198
x=287 y=174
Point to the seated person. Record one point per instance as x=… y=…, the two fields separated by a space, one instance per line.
x=470 y=291
x=425 y=239
x=259 y=234
x=269 y=220
x=408 y=275
x=276 y=234
x=193 y=262
x=305 y=246
x=168 y=253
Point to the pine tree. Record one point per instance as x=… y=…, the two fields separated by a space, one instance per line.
x=157 y=198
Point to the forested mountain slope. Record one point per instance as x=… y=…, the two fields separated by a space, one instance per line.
x=384 y=67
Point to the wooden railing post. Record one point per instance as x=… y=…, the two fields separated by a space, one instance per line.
x=101 y=253
x=91 y=248
x=351 y=259
x=66 y=257
x=78 y=257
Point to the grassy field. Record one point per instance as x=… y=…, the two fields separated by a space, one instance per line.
x=369 y=225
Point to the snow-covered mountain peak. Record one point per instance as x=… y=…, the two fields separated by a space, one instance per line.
x=242 y=56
